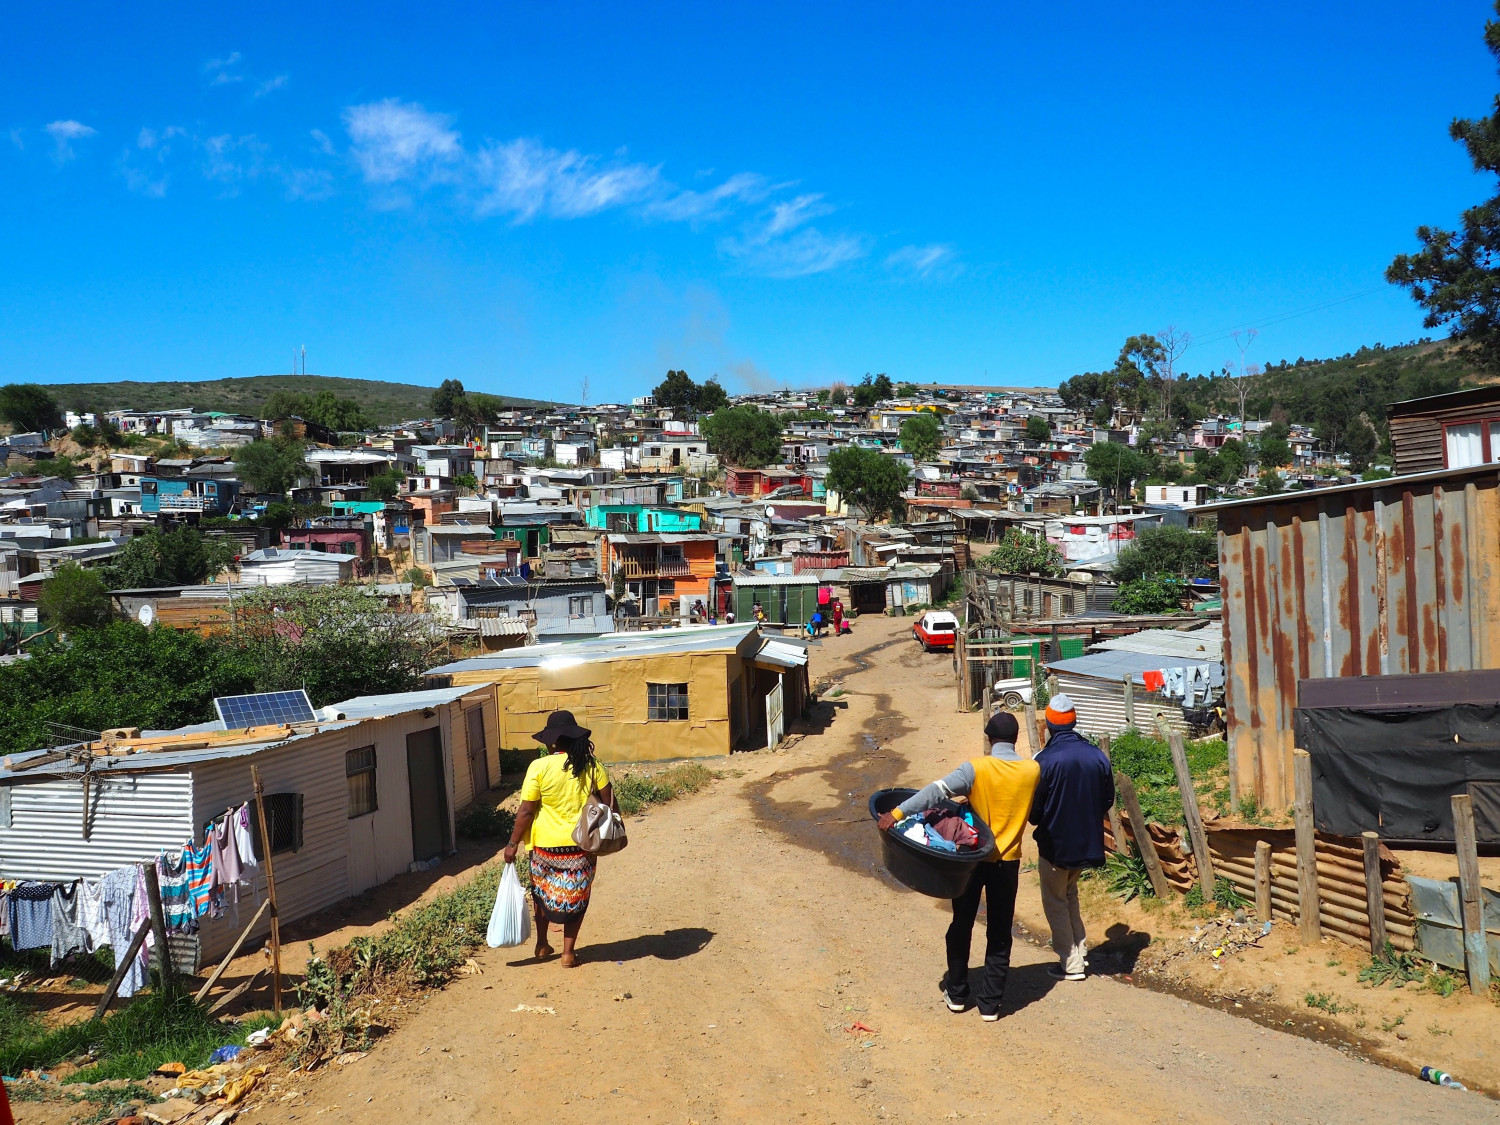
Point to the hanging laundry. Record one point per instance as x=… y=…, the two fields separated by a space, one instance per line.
x=244 y=842
x=1175 y=682
x=225 y=852
x=198 y=863
x=68 y=934
x=5 y=912
x=118 y=898
x=91 y=912
x=31 y=916
x=140 y=910
x=176 y=898
x=1154 y=679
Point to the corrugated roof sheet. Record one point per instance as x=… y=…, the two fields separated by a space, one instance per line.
x=782 y=654
x=611 y=646
x=775 y=580
x=1197 y=647
x=397 y=703
x=1117 y=665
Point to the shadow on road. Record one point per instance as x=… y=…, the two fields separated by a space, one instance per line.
x=673 y=945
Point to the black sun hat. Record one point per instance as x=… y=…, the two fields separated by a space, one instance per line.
x=560 y=724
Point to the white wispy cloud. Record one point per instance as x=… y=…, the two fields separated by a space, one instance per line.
x=702 y=206
x=231 y=161
x=793 y=213
x=63 y=134
x=931 y=260
x=271 y=85
x=17 y=139
x=396 y=140
x=805 y=252
x=220 y=70
x=525 y=179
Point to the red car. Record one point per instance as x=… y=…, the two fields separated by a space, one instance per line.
x=936 y=629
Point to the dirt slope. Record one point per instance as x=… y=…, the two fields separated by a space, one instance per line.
x=745 y=930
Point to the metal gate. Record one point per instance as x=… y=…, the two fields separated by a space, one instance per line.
x=775 y=715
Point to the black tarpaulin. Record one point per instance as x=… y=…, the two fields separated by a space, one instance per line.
x=1394 y=772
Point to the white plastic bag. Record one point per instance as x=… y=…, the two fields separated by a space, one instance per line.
x=510 y=921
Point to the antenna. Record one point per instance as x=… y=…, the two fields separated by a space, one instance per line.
x=583 y=392
x=304 y=359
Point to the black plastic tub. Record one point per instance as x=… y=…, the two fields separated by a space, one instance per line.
x=921 y=868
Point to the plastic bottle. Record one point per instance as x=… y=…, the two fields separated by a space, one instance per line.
x=1441 y=1078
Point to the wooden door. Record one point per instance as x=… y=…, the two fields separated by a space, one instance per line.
x=429 y=793
x=479 y=762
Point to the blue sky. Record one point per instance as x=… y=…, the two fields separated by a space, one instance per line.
x=524 y=196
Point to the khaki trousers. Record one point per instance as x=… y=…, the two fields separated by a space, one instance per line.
x=1060 y=904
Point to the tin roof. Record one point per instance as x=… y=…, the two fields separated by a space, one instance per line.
x=610 y=646
x=1197 y=647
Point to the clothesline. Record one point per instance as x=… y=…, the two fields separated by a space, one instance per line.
x=82 y=915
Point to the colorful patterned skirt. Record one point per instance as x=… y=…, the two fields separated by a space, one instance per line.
x=561 y=881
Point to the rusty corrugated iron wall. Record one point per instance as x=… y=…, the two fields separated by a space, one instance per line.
x=1383 y=578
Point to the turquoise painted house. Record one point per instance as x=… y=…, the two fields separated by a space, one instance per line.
x=641 y=518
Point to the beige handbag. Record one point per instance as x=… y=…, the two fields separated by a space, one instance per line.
x=600 y=829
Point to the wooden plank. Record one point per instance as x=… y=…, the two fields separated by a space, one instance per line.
x=1262 y=881
x=1116 y=829
x=1307 y=854
x=158 y=924
x=1374 y=892
x=1470 y=895
x=1130 y=701
x=1031 y=739
x=1143 y=842
x=233 y=950
x=235 y=993
x=122 y=966
x=265 y=843
x=1192 y=816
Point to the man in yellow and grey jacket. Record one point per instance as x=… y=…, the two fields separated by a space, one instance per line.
x=999 y=788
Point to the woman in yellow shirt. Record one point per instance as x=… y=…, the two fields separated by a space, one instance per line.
x=556 y=788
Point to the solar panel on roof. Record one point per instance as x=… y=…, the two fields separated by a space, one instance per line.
x=266 y=708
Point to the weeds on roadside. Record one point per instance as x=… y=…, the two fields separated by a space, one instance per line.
x=634 y=791
x=1325 y=1002
x=1392 y=967
x=483 y=822
x=1441 y=981
x=1126 y=875
x=1437 y=1029
x=159 y=1027
x=1225 y=895
x=1389 y=1026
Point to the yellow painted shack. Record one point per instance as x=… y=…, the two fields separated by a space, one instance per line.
x=689 y=692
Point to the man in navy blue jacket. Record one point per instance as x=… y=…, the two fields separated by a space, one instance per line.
x=1072 y=800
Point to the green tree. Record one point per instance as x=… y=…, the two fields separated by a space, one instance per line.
x=283 y=403
x=1360 y=443
x=75 y=598
x=446 y=397
x=1168 y=550
x=386 y=484
x=883 y=388
x=1021 y=553
x=1455 y=276
x=119 y=675
x=335 y=641
x=870 y=481
x=823 y=395
x=1270 y=483
x=328 y=410
x=922 y=436
x=29 y=408
x=677 y=393
x=183 y=556
x=1157 y=593
x=467 y=482
x=743 y=435
x=271 y=466
x=1038 y=428
x=711 y=397
x=1271 y=446
x=1116 y=467
x=906 y=390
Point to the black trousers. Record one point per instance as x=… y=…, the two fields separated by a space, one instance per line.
x=998 y=882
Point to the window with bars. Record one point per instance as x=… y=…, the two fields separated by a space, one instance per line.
x=666 y=702
x=359 y=769
x=581 y=606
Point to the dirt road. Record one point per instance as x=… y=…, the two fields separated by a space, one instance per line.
x=746 y=930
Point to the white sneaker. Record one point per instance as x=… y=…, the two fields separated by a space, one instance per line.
x=1056 y=972
x=954 y=1005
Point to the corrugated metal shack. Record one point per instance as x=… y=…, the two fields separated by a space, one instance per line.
x=156 y=791
x=1379 y=578
x=1419 y=429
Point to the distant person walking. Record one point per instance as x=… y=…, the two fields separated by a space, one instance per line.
x=553 y=794
x=1072 y=800
x=999 y=788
